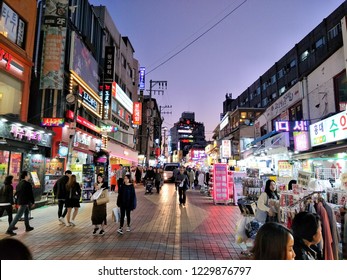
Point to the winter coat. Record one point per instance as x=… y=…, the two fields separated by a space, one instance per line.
x=127 y=197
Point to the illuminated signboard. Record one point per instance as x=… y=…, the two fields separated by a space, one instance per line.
x=87 y=99
x=224 y=122
x=185 y=131
x=123 y=99
x=226 y=148
x=142 y=78
x=82 y=121
x=109 y=128
x=106 y=95
x=52 y=122
x=290 y=126
x=301 y=141
x=22 y=132
x=137 y=113
x=329 y=130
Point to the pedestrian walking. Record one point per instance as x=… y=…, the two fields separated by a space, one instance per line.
x=157 y=179
x=59 y=191
x=6 y=198
x=182 y=182
x=126 y=201
x=100 y=199
x=73 y=192
x=25 y=200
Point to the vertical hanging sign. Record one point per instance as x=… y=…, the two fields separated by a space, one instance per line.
x=109 y=63
x=137 y=113
x=142 y=78
x=107 y=102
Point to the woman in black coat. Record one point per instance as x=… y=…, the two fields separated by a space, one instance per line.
x=6 y=198
x=126 y=201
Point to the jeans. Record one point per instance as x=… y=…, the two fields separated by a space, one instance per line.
x=61 y=204
x=124 y=212
x=182 y=195
x=22 y=209
x=8 y=209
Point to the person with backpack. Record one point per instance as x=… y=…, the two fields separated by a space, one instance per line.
x=6 y=198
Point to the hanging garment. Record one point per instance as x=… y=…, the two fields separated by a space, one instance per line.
x=333 y=229
x=328 y=240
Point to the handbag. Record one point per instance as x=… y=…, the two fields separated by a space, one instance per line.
x=103 y=198
x=116 y=214
x=96 y=195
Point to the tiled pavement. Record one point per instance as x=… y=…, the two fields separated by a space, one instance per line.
x=161 y=230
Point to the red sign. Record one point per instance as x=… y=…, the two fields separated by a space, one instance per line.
x=137 y=113
x=7 y=57
x=82 y=121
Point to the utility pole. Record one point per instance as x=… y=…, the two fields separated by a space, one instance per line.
x=162 y=85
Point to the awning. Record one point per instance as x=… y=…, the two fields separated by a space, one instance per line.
x=267 y=135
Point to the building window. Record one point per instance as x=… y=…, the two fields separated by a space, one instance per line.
x=295 y=112
x=282 y=90
x=273 y=79
x=258 y=90
x=280 y=73
x=333 y=32
x=320 y=43
x=340 y=85
x=292 y=64
x=123 y=61
x=273 y=96
x=304 y=55
x=265 y=101
x=10 y=94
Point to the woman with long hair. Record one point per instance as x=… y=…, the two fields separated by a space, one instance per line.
x=99 y=211
x=273 y=242
x=267 y=203
x=72 y=200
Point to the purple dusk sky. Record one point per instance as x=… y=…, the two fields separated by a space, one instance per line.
x=227 y=59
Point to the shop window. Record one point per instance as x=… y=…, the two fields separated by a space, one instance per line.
x=10 y=94
x=340 y=85
x=273 y=125
x=243 y=115
x=15 y=164
x=4 y=160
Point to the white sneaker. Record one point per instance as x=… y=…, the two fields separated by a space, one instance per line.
x=128 y=228
x=120 y=231
x=61 y=221
x=72 y=223
x=68 y=224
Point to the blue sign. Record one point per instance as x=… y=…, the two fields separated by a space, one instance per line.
x=142 y=78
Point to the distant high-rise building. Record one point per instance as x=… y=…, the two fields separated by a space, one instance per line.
x=187 y=134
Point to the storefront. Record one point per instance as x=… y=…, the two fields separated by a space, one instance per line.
x=24 y=147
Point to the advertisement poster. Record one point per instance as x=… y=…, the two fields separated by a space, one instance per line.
x=88 y=171
x=285 y=169
x=55 y=166
x=49 y=182
x=36 y=179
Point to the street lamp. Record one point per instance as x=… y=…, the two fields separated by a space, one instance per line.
x=71 y=98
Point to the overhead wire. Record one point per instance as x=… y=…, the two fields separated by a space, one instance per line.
x=197 y=38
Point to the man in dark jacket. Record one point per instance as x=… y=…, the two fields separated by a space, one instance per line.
x=182 y=184
x=59 y=191
x=25 y=200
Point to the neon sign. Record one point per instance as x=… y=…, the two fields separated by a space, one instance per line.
x=290 y=126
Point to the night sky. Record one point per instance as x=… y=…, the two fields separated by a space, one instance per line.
x=229 y=57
